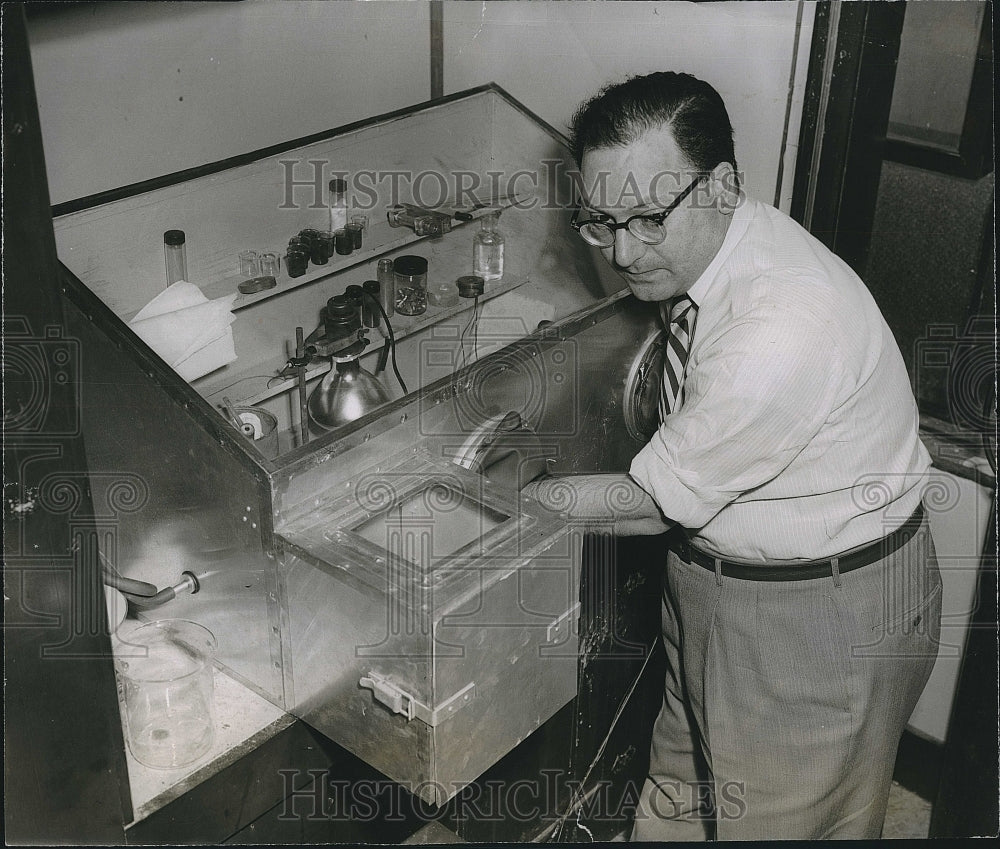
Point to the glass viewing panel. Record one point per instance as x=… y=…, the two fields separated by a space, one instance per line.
x=430 y=524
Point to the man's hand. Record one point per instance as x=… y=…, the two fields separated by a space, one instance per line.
x=602 y=502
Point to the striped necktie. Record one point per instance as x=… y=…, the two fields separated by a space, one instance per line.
x=679 y=330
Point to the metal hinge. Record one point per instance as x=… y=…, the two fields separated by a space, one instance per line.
x=557 y=629
x=399 y=701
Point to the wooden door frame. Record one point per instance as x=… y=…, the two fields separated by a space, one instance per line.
x=845 y=118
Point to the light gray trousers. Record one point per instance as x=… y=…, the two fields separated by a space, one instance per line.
x=784 y=701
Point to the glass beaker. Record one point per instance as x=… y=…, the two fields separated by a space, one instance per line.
x=249 y=264
x=297 y=260
x=167 y=680
x=269 y=264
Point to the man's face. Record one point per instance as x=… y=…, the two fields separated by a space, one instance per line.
x=644 y=177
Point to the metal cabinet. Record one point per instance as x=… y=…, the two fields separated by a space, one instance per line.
x=385 y=581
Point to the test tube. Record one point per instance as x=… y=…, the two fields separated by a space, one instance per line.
x=387 y=285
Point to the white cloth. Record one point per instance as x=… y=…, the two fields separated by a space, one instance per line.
x=190 y=332
x=797 y=438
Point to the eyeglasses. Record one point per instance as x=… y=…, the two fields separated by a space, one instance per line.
x=649 y=229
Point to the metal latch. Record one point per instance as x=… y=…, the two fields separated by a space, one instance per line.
x=399 y=701
x=558 y=627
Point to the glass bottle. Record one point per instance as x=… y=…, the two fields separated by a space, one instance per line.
x=175 y=255
x=487 y=249
x=338 y=204
x=411 y=284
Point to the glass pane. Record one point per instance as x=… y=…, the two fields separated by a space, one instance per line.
x=430 y=524
x=937 y=55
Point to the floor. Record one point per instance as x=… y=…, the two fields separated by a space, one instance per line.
x=907 y=815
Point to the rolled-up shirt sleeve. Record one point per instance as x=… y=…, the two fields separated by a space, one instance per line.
x=755 y=395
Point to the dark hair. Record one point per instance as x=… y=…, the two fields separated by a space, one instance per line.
x=691 y=108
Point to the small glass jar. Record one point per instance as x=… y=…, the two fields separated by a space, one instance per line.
x=411 y=284
x=321 y=248
x=387 y=286
x=269 y=264
x=249 y=264
x=308 y=236
x=175 y=256
x=487 y=249
x=442 y=293
x=343 y=242
x=356 y=232
x=296 y=261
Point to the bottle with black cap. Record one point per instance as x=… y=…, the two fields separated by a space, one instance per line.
x=175 y=255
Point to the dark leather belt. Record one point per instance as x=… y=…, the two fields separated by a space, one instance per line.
x=850 y=561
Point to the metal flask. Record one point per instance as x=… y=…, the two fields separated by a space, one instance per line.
x=346 y=393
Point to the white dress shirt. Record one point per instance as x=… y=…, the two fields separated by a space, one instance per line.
x=797 y=436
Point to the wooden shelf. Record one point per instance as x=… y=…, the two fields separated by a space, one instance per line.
x=380 y=238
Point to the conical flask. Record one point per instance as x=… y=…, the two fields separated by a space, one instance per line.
x=346 y=393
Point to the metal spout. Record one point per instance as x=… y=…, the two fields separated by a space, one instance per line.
x=346 y=393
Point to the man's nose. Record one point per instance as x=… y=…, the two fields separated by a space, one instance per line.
x=627 y=248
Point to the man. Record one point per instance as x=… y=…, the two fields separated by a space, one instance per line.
x=801 y=599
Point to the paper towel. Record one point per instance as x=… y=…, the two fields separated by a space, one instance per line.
x=190 y=332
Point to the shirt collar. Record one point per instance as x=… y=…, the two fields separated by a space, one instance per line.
x=737 y=228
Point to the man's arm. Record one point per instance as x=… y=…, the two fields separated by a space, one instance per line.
x=611 y=502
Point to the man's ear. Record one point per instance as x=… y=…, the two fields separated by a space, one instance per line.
x=724 y=186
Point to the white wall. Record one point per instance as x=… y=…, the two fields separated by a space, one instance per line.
x=130 y=91
x=552 y=56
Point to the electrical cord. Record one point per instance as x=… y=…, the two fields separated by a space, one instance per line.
x=581 y=789
x=392 y=340
x=267 y=377
x=473 y=324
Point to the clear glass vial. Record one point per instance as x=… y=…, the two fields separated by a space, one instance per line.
x=175 y=255
x=338 y=204
x=387 y=285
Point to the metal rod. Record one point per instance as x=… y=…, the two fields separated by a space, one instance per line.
x=303 y=410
